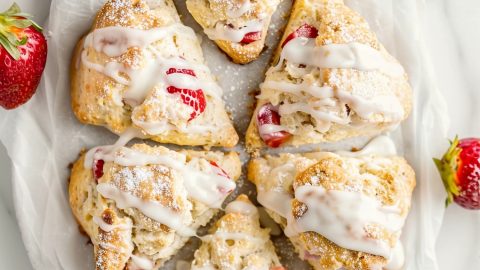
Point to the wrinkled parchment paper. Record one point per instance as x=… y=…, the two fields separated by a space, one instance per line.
x=43 y=137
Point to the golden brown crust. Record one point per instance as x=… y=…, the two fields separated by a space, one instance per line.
x=133 y=232
x=97 y=99
x=336 y=24
x=237 y=241
x=390 y=179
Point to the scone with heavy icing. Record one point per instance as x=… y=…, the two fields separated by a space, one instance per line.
x=140 y=204
x=139 y=66
x=237 y=242
x=238 y=27
x=342 y=210
x=332 y=79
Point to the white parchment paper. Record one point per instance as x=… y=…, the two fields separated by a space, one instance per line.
x=43 y=137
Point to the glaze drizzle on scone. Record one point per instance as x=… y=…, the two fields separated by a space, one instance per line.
x=344 y=209
x=148 y=72
x=332 y=79
x=148 y=200
x=237 y=242
x=239 y=27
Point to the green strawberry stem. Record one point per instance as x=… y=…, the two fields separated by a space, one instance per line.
x=447 y=167
x=12 y=22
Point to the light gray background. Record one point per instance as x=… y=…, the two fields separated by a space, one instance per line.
x=452 y=35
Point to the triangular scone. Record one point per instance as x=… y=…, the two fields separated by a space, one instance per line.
x=332 y=79
x=338 y=209
x=140 y=66
x=139 y=205
x=237 y=241
x=239 y=27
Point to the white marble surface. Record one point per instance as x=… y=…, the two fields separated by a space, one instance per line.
x=452 y=36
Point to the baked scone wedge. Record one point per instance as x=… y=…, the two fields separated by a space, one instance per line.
x=139 y=66
x=140 y=204
x=331 y=79
x=238 y=27
x=340 y=210
x=237 y=241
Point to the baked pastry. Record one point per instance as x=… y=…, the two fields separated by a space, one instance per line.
x=238 y=27
x=237 y=241
x=140 y=204
x=340 y=210
x=331 y=80
x=139 y=66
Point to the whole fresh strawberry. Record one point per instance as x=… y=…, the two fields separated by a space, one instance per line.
x=23 y=53
x=460 y=171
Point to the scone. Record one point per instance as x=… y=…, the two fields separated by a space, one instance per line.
x=237 y=242
x=140 y=204
x=340 y=210
x=331 y=80
x=238 y=27
x=139 y=66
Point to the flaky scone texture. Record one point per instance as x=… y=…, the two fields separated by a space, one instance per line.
x=390 y=180
x=209 y=12
x=336 y=24
x=128 y=233
x=99 y=99
x=237 y=242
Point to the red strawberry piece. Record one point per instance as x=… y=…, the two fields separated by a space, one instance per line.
x=219 y=171
x=23 y=54
x=193 y=98
x=97 y=169
x=268 y=114
x=251 y=37
x=460 y=172
x=182 y=71
x=305 y=30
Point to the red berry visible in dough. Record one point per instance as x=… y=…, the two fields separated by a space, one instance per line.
x=268 y=114
x=460 y=172
x=193 y=98
x=251 y=37
x=97 y=169
x=305 y=30
x=218 y=170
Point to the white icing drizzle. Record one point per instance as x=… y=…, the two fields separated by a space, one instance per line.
x=270 y=128
x=115 y=41
x=237 y=11
x=225 y=32
x=210 y=189
x=151 y=209
x=342 y=217
x=348 y=55
x=381 y=145
x=110 y=227
x=241 y=207
x=275 y=200
x=321 y=92
x=140 y=263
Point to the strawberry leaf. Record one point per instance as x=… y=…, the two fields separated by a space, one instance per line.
x=13 y=10
x=12 y=50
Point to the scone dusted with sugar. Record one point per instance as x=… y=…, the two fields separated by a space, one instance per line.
x=331 y=79
x=139 y=66
x=340 y=210
x=140 y=204
x=238 y=27
x=237 y=242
